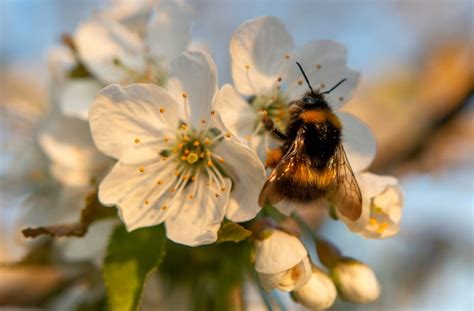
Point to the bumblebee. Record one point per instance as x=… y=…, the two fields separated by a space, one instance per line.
x=311 y=164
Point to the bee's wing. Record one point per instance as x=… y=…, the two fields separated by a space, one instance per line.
x=269 y=193
x=345 y=194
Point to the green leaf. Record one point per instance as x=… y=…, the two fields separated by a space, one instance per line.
x=232 y=232
x=131 y=257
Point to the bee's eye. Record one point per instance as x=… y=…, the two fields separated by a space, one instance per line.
x=309 y=100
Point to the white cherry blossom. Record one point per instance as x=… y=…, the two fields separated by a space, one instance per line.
x=384 y=206
x=264 y=72
x=176 y=163
x=130 y=42
x=282 y=261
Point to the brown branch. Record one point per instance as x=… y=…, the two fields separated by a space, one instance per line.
x=92 y=211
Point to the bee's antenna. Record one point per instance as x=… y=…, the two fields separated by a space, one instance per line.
x=334 y=87
x=305 y=77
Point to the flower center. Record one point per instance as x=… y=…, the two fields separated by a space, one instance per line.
x=274 y=106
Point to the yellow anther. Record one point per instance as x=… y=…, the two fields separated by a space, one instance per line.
x=207 y=141
x=137 y=140
x=373 y=221
x=221 y=160
x=173 y=190
x=222 y=189
x=186 y=177
x=287 y=56
x=162 y=110
x=164 y=158
x=279 y=79
x=184 y=126
x=378 y=210
x=147 y=202
x=318 y=66
x=248 y=137
x=217 y=195
x=209 y=163
x=201 y=155
x=213 y=112
x=184 y=158
x=193 y=178
x=159 y=182
x=208 y=154
x=247 y=67
x=300 y=82
x=184 y=94
x=177 y=173
x=228 y=135
x=190 y=197
x=180 y=146
x=187 y=151
x=141 y=169
x=196 y=143
x=164 y=207
x=192 y=158
x=165 y=139
x=382 y=227
x=203 y=121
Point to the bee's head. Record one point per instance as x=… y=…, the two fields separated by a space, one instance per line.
x=313 y=101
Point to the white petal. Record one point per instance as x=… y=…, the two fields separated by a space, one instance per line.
x=169 y=30
x=68 y=144
x=53 y=206
x=237 y=115
x=101 y=42
x=196 y=75
x=90 y=247
x=278 y=252
x=261 y=46
x=289 y=280
x=60 y=61
x=137 y=193
x=248 y=176
x=77 y=96
x=120 y=115
x=324 y=62
x=359 y=142
x=197 y=220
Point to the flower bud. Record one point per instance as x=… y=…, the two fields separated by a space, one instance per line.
x=355 y=281
x=281 y=261
x=319 y=293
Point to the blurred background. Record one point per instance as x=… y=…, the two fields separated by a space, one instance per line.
x=417 y=62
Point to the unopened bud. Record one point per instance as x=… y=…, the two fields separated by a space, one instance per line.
x=355 y=281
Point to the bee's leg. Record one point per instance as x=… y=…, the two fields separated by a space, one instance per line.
x=273 y=157
x=270 y=126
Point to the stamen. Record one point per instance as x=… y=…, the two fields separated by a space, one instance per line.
x=147 y=202
x=196 y=143
x=162 y=109
x=137 y=140
x=287 y=56
x=141 y=169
